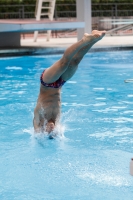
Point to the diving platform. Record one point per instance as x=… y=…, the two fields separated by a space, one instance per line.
x=10 y=30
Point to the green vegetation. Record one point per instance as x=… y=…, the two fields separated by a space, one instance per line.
x=24 y=2
x=62 y=1
x=112 y=1
x=14 y=2
x=63 y=10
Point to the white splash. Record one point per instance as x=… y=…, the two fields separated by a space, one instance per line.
x=58 y=133
x=108 y=178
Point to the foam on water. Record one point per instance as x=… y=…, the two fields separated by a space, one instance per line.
x=13 y=68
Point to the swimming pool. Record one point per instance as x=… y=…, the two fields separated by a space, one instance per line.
x=92 y=160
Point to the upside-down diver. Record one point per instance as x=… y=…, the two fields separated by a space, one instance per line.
x=47 y=111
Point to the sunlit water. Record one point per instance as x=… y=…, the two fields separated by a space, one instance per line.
x=91 y=159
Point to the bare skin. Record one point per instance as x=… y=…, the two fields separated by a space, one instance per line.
x=47 y=110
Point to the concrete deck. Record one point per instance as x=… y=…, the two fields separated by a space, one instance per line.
x=58 y=45
x=106 y=42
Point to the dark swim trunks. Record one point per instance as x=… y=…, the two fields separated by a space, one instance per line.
x=60 y=82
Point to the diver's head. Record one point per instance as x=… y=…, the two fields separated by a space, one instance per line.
x=50 y=126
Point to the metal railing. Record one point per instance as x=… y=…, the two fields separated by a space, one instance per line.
x=19 y=12
x=98 y=10
x=22 y=13
x=112 y=9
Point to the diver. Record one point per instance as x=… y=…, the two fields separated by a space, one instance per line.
x=48 y=108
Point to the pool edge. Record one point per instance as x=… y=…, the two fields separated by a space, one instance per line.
x=23 y=51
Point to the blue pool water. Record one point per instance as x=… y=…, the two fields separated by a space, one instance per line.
x=91 y=161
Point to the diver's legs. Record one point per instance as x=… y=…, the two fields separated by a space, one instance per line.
x=71 y=55
x=73 y=65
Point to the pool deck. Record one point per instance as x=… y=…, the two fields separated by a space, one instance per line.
x=106 y=42
x=58 y=45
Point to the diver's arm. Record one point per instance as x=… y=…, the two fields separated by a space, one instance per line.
x=36 y=122
x=36 y=126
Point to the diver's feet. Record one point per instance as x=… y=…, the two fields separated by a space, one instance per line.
x=98 y=34
x=94 y=36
